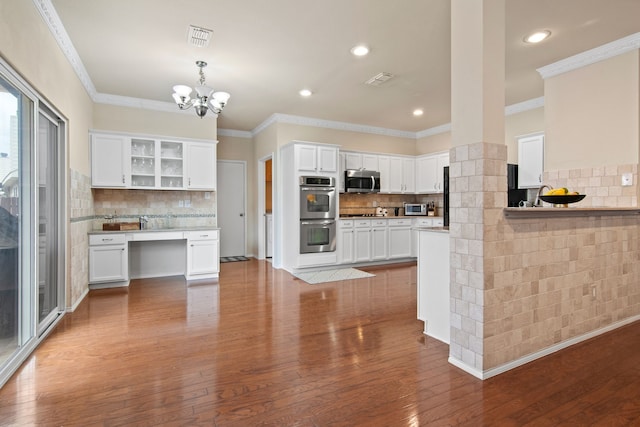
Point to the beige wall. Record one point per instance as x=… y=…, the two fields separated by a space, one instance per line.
x=347 y=140
x=137 y=120
x=28 y=46
x=592 y=114
x=521 y=124
x=434 y=143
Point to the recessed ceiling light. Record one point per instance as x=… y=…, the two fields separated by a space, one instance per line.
x=537 y=37
x=305 y=92
x=418 y=112
x=360 y=50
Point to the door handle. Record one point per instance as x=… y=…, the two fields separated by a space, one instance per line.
x=241 y=214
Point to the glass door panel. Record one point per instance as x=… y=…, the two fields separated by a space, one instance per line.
x=15 y=235
x=143 y=169
x=172 y=165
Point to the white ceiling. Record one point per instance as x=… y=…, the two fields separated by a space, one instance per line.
x=264 y=52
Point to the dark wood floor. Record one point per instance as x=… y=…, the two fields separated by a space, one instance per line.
x=264 y=348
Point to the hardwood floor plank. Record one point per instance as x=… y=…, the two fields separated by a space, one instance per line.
x=262 y=348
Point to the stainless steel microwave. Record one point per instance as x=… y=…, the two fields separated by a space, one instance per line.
x=415 y=209
x=361 y=181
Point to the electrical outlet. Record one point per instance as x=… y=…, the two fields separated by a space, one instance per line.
x=187 y=203
x=593 y=292
x=627 y=179
x=180 y=204
x=375 y=204
x=207 y=195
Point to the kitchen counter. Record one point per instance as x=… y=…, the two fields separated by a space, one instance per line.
x=153 y=230
x=549 y=212
x=433 y=229
x=386 y=217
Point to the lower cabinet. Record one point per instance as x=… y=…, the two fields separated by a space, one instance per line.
x=203 y=261
x=108 y=258
x=400 y=238
x=366 y=240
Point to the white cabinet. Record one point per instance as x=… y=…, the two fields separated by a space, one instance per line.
x=345 y=244
x=379 y=244
x=430 y=173
x=203 y=260
x=354 y=160
x=200 y=157
x=109 y=158
x=362 y=240
x=530 y=161
x=433 y=283
x=140 y=162
x=400 y=239
x=316 y=158
x=397 y=174
x=108 y=258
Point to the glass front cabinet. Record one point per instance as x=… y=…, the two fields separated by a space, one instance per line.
x=149 y=163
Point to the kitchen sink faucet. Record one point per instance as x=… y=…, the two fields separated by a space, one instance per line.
x=538 y=203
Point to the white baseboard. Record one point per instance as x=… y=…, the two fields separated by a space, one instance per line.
x=77 y=303
x=483 y=375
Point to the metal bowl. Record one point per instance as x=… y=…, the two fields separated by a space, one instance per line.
x=563 y=199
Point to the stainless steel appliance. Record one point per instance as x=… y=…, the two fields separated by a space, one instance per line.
x=317 y=236
x=317 y=197
x=415 y=208
x=361 y=181
x=317 y=214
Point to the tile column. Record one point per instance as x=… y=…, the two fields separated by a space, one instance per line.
x=478 y=160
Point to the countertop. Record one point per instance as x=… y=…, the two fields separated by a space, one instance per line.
x=548 y=212
x=153 y=230
x=389 y=217
x=433 y=229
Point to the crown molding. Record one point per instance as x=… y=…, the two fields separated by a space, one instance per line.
x=51 y=18
x=235 y=133
x=521 y=107
x=330 y=124
x=434 y=131
x=606 y=51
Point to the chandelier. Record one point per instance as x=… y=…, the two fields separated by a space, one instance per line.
x=205 y=98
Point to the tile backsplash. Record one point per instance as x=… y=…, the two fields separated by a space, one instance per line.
x=355 y=204
x=163 y=208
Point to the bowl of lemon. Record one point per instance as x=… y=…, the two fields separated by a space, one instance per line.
x=561 y=197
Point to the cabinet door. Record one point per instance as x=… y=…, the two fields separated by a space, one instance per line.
x=108 y=160
x=396 y=176
x=201 y=166
x=362 y=243
x=384 y=166
x=400 y=242
x=370 y=162
x=346 y=246
x=530 y=161
x=202 y=257
x=327 y=159
x=427 y=174
x=143 y=160
x=442 y=161
x=108 y=263
x=408 y=175
x=379 y=243
x=353 y=160
x=306 y=158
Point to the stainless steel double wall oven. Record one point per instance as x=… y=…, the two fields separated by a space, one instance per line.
x=317 y=214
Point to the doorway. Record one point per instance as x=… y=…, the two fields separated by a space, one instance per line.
x=231 y=201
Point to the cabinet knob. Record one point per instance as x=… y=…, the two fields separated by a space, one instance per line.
x=123 y=178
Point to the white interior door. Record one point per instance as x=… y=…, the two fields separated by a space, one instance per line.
x=231 y=196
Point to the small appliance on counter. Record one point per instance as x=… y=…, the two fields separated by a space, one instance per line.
x=415 y=209
x=431 y=209
x=381 y=212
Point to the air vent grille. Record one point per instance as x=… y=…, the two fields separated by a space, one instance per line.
x=198 y=36
x=379 y=79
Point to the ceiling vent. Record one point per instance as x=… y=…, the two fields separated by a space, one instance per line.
x=198 y=36
x=379 y=79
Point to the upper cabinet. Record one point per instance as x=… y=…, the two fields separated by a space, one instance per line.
x=361 y=161
x=109 y=161
x=397 y=174
x=530 y=161
x=137 y=162
x=316 y=158
x=430 y=174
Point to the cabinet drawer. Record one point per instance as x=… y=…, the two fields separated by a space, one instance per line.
x=202 y=235
x=379 y=222
x=345 y=223
x=361 y=223
x=107 y=239
x=424 y=222
x=399 y=222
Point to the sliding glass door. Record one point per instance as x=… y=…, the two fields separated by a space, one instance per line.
x=32 y=232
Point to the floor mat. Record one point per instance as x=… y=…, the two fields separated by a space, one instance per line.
x=315 y=277
x=233 y=258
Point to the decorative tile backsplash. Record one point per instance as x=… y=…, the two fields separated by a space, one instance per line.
x=602 y=185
